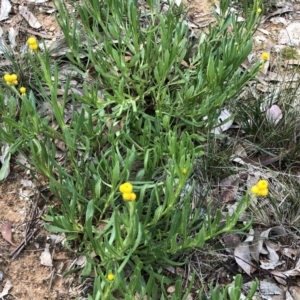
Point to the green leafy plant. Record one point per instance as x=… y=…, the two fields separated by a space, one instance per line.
x=143 y=116
x=232 y=291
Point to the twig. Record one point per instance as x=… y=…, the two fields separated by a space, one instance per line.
x=43 y=35
x=29 y=231
x=22 y=245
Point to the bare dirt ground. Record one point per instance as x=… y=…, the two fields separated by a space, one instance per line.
x=29 y=278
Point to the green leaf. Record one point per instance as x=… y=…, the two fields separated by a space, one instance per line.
x=5 y=167
x=56 y=229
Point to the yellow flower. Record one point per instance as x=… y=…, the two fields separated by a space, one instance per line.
x=132 y=196
x=33 y=47
x=22 y=90
x=126 y=188
x=259 y=10
x=126 y=196
x=7 y=77
x=265 y=56
x=263 y=192
x=262 y=184
x=13 y=77
x=32 y=41
x=129 y=196
x=184 y=170
x=255 y=190
x=261 y=188
x=110 y=276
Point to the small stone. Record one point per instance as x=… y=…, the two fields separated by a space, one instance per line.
x=171 y=289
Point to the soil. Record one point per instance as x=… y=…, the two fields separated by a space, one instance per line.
x=30 y=279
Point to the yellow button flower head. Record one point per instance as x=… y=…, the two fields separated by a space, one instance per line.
x=263 y=192
x=184 y=170
x=32 y=41
x=261 y=188
x=255 y=190
x=259 y=10
x=262 y=184
x=110 y=276
x=7 y=78
x=22 y=90
x=126 y=188
x=34 y=47
x=132 y=197
x=13 y=77
x=129 y=196
x=265 y=56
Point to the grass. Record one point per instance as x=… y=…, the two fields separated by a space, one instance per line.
x=144 y=117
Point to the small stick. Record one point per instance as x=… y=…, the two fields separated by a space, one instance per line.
x=22 y=245
x=43 y=35
x=29 y=232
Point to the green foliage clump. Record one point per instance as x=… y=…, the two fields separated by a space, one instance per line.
x=143 y=116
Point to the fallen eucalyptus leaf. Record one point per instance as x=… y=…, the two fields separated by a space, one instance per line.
x=5 y=9
x=46 y=259
x=265 y=289
x=225 y=121
x=12 y=33
x=6 y=289
x=256 y=245
x=289 y=252
x=273 y=256
x=229 y=188
x=29 y=17
x=242 y=257
x=6 y=232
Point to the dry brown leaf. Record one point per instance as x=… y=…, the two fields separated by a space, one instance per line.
x=29 y=17
x=127 y=58
x=272 y=248
x=282 y=277
x=6 y=233
x=229 y=187
x=289 y=252
x=5 y=9
x=46 y=259
x=295 y=291
x=242 y=257
x=6 y=289
x=231 y=240
x=266 y=289
x=256 y=245
x=288 y=296
x=185 y=64
x=279 y=230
